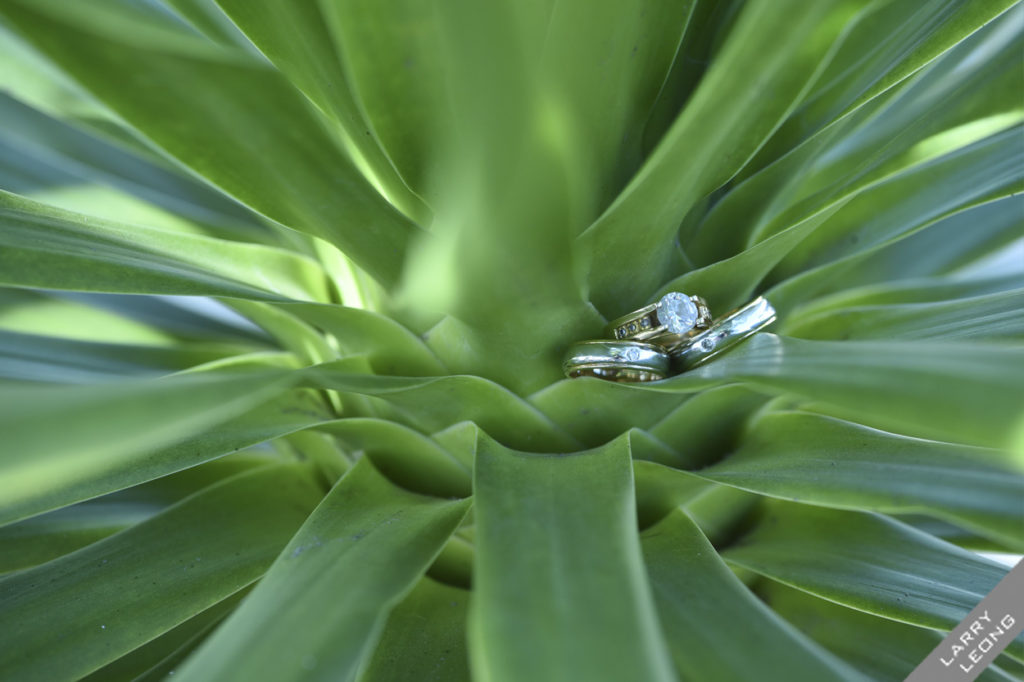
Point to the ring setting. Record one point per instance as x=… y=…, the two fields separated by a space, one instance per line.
x=614 y=360
x=675 y=314
x=675 y=334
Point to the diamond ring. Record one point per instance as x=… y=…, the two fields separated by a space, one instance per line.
x=616 y=361
x=726 y=332
x=671 y=320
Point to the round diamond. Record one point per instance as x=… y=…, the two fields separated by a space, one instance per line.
x=708 y=344
x=633 y=354
x=677 y=312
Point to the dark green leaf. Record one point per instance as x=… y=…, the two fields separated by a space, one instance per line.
x=424 y=639
x=884 y=650
x=322 y=605
x=121 y=592
x=964 y=392
x=868 y=562
x=58 y=447
x=699 y=604
x=824 y=461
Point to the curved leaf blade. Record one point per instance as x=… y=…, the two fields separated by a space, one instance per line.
x=868 y=562
x=884 y=650
x=424 y=639
x=232 y=120
x=819 y=460
x=360 y=551
x=771 y=55
x=700 y=601
x=118 y=594
x=44 y=247
x=58 y=447
x=897 y=385
x=560 y=590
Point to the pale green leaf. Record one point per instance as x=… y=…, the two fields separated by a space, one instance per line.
x=28 y=357
x=230 y=119
x=69 y=161
x=295 y=37
x=45 y=247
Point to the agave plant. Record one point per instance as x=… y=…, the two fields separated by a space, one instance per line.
x=287 y=285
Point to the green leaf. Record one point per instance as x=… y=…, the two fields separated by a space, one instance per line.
x=595 y=411
x=993 y=317
x=944 y=247
x=70 y=154
x=43 y=538
x=559 y=586
x=435 y=403
x=121 y=592
x=868 y=562
x=707 y=426
x=29 y=357
x=49 y=248
x=818 y=460
x=424 y=639
x=47 y=536
x=868 y=214
x=387 y=345
x=361 y=550
x=405 y=456
x=882 y=649
x=166 y=651
x=897 y=386
x=771 y=54
x=890 y=43
x=700 y=602
x=958 y=102
x=58 y=446
x=295 y=37
x=230 y=119
x=208 y=18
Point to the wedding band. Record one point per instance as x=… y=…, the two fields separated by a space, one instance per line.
x=724 y=334
x=616 y=361
x=674 y=317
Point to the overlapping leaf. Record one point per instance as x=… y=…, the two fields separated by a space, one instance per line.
x=117 y=594
x=323 y=603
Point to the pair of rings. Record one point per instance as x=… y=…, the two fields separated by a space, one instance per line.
x=675 y=334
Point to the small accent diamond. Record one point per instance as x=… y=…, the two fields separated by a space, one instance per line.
x=633 y=354
x=707 y=344
x=632 y=327
x=677 y=312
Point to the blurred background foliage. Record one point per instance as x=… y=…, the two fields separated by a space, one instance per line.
x=286 y=283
